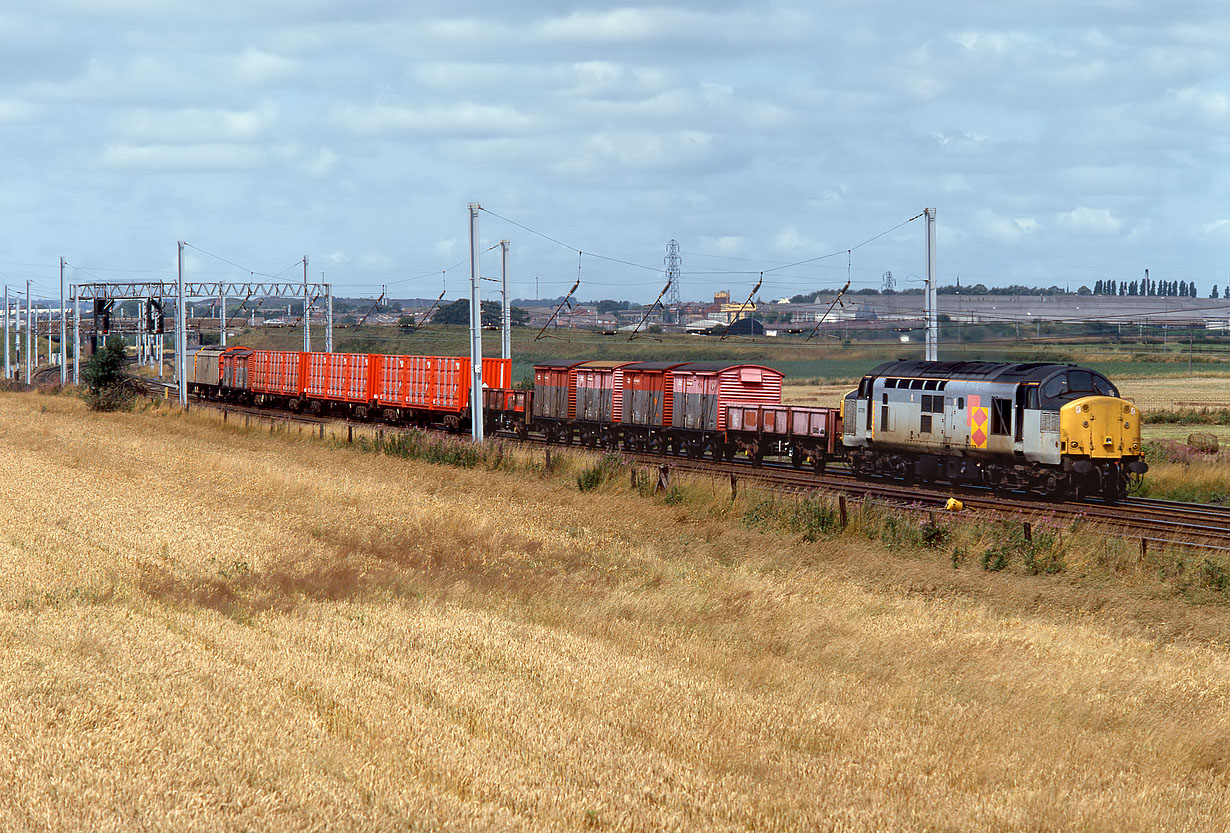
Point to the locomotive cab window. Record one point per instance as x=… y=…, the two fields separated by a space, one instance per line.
x=1080 y=381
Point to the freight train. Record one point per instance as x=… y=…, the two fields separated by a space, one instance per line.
x=1058 y=430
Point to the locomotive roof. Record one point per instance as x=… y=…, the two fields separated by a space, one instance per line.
x=989 y=371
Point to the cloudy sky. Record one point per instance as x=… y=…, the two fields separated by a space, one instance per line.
x=1077 y=141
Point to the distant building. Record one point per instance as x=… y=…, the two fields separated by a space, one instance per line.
x=733 y=312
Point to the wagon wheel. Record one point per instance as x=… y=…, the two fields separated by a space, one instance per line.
x=796 y=457
x=817 y=463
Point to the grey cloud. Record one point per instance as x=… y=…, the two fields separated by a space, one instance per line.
x=1083 y=133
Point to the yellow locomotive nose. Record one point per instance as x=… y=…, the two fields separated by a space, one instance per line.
x=1100 y=427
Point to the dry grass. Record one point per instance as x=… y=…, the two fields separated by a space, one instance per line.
x=829 y=396
x=1170 y=393
x=207 y=627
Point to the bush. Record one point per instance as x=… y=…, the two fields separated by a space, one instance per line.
x=107 y=386
x=1203 y=442
x=591 y=477
x=810 y=516
x=1041 y=554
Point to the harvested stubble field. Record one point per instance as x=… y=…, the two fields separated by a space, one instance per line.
x=212 y=628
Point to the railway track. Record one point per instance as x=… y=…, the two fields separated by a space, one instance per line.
x=1162 y=522
x=1205 y=526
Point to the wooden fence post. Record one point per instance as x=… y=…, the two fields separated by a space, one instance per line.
x=1029 y=532
x=734 y=486
x=841 y=510
x=664 y=479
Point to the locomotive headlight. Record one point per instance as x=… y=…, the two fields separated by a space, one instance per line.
x=1086 y=423
x=1127 y=425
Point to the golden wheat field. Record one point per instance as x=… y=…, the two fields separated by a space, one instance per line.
x=209 y=628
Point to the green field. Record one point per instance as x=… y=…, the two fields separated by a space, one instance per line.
x=821 y=361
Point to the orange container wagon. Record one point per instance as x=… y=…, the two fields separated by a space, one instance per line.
x=497 y=373
x=340 y=377
x=278 y=372
x=422 y=383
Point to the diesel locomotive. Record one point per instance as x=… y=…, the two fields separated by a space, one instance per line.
x=1057 y=429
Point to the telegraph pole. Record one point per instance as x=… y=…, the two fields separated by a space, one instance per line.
x=8 y=368
x=307 y=319
x=29 y=340
x=476 y=334
x=933 y=332
x=76 y=337
x=506 y=335
x=328 y=315
x=17 y=347
x=63 y=331
x=181 y=330
x=221 y=317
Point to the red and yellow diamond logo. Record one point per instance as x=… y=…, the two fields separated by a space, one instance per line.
x=977 y=423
